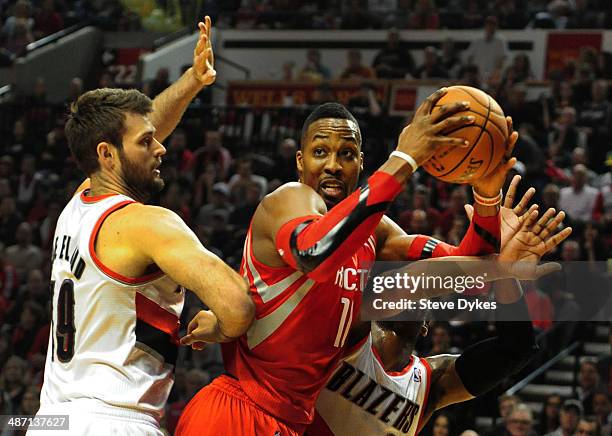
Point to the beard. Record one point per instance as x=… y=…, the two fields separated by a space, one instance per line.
x=139 y=179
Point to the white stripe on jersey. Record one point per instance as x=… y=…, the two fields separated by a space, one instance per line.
x=361 y=398
x=94 y=348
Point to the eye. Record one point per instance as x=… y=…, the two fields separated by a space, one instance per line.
x=147 y=141
x=318 y=152
x=348 y=153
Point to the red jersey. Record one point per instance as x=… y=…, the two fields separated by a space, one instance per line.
x=297 y=337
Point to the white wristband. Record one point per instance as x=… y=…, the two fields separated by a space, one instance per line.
x=407 y=158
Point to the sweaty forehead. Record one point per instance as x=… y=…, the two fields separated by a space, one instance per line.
x=333 y=126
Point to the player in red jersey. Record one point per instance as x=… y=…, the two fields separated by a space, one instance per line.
x=306 y=253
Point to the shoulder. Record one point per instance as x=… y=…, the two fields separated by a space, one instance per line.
x=143 y=219
x=290 y=193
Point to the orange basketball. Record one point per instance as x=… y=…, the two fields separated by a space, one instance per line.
x=487 y=136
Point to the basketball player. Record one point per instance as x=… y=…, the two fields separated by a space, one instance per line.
x=382 y=388
x=119 y=267
x=307 y=247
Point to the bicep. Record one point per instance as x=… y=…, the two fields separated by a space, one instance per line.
x=282 y=206
x=176 y=250
x=393 y=241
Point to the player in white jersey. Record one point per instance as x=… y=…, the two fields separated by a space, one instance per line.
x=381 y=387
x=120 y=266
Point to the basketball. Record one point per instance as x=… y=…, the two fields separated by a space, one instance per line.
x=487 y=136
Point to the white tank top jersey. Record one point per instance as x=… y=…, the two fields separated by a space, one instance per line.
x=113 y=338
x=361 y=398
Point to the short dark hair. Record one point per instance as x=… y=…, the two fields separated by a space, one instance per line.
x=99 y=116
x=328 y=110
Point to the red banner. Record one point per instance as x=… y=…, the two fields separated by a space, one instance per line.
x=262 y=94
x=565 y=47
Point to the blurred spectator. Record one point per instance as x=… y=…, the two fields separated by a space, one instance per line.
x=323 y=94
x=555 y=17
x=578 y=200
x=488 y=53
x=583 y=16
x=579 y=156
x=364 y=102
x=17 y=29
x=220 y=204
x=602 y=410
x=356 y=16
x=393 y=61
x=27 y=181
x=565 y=135
x=505 y=404
x=213 y=152
x=287 y=74
x=160 y=82
x=425 y=15
x=13 y=380
x=178 y=154
x=31 y=319
x=518 y=71
x=450 y=61
x=587 y=427
x=472 y=15
x=431 y=68
x=571 y=412
x=48 y=20
x=30 y=402
x=9 y=220
x=420 y=200
x=454 y=209
x=595 y=248
x=241 y=217
x=596 y=116
x=511 y=15
x=549 y=415
x=313 y=69
x=24 y=254
x=355 y=69
x=75 y=90
x=244 y=177
x=519 y=421
x=442 y=425
x=588 y=384
x=284 y=161
x=441 y=339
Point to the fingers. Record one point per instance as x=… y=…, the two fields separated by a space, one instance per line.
x=469 y=211
x=430 y=102
x=453 y=123
x=546 y=268
x=449 y=109
x=532 y=215
x=199 y=346
x=509 y=124
x=512 y=139
x=193 y=324
x=555 y=240
x=553 y=225
x=541 y=224
x=208 y=26
x=441 y=141
x=519 y=209
x=187 y=340
x=509 y=198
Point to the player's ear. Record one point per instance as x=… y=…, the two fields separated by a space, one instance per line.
x=106 y=151
x=299 y=161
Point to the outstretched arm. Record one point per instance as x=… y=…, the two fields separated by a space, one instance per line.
x=170 y=105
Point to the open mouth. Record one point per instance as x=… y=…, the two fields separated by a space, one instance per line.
x=332 y=188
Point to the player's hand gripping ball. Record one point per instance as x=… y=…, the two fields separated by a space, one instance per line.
x=487 y=136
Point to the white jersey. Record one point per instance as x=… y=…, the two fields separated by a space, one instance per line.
x=113 y=338
x=361 y=398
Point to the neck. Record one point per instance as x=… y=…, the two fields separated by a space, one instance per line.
x=394 y=351
x=102 y=184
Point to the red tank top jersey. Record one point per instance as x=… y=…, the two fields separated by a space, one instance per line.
x=300 y=327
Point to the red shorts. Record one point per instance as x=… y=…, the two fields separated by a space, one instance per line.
x=222 y=408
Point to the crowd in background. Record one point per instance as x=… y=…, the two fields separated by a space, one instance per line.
x=217 y=171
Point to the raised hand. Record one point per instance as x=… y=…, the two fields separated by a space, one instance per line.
x=425 y=134
x=203 y=56
x=534 y=238
x=491 y=185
